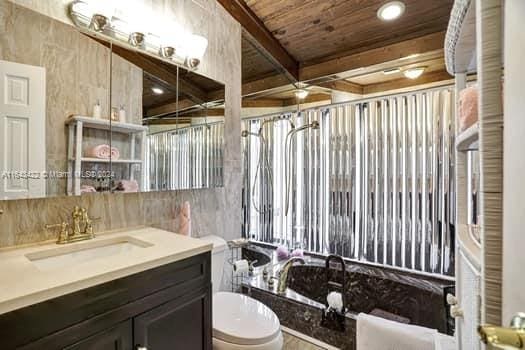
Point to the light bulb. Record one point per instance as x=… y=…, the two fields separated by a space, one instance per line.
x=301 y=94
x=391 y=10
x=196 y=46
x=414 y=73
x=157 y=90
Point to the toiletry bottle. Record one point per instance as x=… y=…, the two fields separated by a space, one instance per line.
x=97 y=110
x=122 y=114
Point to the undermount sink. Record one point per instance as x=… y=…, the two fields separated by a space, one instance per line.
x=78 y=253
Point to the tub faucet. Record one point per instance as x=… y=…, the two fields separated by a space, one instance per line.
x=283 y=274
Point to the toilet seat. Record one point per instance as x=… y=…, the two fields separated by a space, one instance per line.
x=244 y=321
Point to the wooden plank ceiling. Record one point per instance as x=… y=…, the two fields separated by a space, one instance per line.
x=329 y=39
x=314 y=31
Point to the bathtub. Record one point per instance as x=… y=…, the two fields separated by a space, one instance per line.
x=398 y=295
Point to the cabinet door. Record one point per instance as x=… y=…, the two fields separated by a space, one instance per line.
x=117 y=338
x=183 y=323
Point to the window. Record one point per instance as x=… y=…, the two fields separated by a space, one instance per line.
x=375 y=182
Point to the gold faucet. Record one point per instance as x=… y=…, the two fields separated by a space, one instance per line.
x=283 y=274
x=82 y=227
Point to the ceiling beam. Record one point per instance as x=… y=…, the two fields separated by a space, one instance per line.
x=338 y=66
x=403 y=83
x=262 y=102
x=265 y=84
x=344 y=86
x=170 y=108
x=261 y=36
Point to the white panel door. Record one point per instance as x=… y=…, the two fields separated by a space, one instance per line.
x=22 y=130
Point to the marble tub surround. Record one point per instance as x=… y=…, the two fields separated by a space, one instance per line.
x=406 y=296
x=26 y=284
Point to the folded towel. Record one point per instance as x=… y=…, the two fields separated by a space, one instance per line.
x=468 y=107
x=445 y=342
x=128 y=186
x=99 y=151
x=103 y=152
x=87 y=189
x=375 y=333
x=185 y=219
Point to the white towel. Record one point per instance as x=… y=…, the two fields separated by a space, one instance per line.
x=445 y=342
x=375 y=333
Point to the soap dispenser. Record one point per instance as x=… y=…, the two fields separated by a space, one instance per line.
x=97 y=110
x=122 y=114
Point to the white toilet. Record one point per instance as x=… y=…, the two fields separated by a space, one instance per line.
x=239 y=322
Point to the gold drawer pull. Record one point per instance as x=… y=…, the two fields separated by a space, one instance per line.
x=508 y=336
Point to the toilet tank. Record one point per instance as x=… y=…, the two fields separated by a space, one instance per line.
x=218 y=255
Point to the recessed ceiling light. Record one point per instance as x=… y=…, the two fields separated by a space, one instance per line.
x=391 y=10
x=414 y=73
x=157 y=90
x=301 y=94
x=391 y=71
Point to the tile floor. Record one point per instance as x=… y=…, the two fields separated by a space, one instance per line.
x=294 y=343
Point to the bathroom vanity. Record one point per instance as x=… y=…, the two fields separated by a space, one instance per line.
x=135 y=289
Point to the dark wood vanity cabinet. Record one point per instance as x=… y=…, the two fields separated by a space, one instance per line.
x=168 y=307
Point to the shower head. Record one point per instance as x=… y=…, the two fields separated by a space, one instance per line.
x=246 y=133
x=314 y=125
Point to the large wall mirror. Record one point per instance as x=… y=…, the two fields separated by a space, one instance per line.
x=81 y=112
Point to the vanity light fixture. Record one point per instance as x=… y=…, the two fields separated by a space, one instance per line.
x=167 y=51
x=157 y=90
x=139 y=27
x=301 y=94
x=391 y=71
x=391 y=10
x=195 y=48
x=137 y=39
x=414 y=73
x=99 y=22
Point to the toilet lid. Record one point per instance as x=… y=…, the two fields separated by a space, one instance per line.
x=239 y=319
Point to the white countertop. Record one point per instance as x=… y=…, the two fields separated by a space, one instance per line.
x=22 y=283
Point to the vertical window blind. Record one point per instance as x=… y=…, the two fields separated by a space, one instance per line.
x=374 y=183
x=185 y=158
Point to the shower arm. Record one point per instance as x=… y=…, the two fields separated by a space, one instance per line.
x=262 y=142
x=288 y=143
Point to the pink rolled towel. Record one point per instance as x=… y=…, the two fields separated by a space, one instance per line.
x=468 y=107
x=185 y=219
x=128 y=186
x=87 y=189
x=103 y=152
x=99 y=151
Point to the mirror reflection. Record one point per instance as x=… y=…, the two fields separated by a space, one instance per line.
x=82 y=115
x=182 y=144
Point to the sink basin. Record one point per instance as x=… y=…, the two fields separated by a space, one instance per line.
x=78 y=253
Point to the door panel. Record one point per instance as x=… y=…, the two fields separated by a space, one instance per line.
x=117 y=338
x=183 y=323
x=22 y=130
